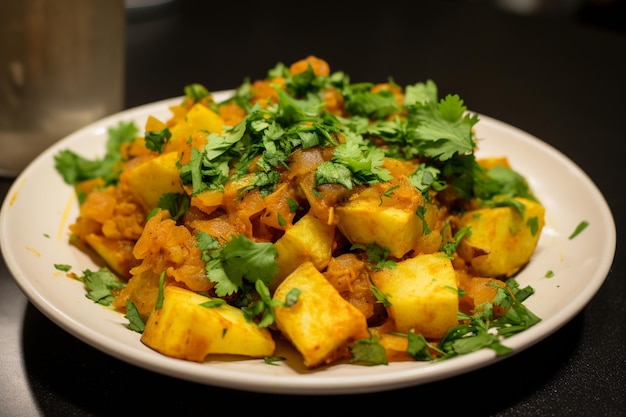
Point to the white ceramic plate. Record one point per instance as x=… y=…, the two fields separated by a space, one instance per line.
x=39 y=207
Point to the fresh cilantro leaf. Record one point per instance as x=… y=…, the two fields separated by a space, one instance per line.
x=377 y=255
x=368 y=351
x=501 y=180
x=443 y=130
x=75 y=168
x=255 y=261
x=219 y=144
x=481 y=331
x=100 y=284
x=421 y=93
x=213 y=303
x=63 y=267
x=450 y=247
x=159 y=301
x=155 y=140
x=426 y=177
x=351 y=165
x=176 y=204
x=380 y=297
x=332 y=173
x=135 y=322
x=581 y=226
x=533 y=225
x=376 y=105
x=196 y=92
x=264 y=307
x=271 y=360
x=418 y=348
x=229 y=264
x=421 y=213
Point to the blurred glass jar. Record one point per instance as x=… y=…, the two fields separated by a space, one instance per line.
x=61 y=68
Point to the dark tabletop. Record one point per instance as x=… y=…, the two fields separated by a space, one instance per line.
x=559 y=75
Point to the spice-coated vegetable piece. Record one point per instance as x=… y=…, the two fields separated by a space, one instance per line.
x=117 y=253
x=502 y=239
x=422 y=292
x=385 y=216
x=321 y=324
x=309 y=239
x=479 y=291
x=396 y=347
x=184 y=328
x=199 y=118
x=142 y=290
x=153 y=178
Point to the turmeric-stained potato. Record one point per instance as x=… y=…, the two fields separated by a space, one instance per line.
x=309 y=239
x=186 y=329
x=142 y=290
x=321 y=324
x=117 y=253
x=422 y=292
x=154 y=177
x=501 y=240
x=198 y=118
x=384 y=215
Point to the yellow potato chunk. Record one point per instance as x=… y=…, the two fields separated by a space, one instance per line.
x=502 y=241
x=199 y=117
x=154 y=177
x=321 y=324
x=183 y=328
x=423 y=294
x=117 y=253
x=152 y=124
x=309 y=239
x=366 y=218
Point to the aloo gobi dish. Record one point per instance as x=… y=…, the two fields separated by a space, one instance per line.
x=353 y=221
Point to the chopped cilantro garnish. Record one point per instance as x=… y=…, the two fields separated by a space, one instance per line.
x=135 y=323
x=63 y=267
x=156 y=140
x=176 y=204
x=229 y=264
x=581 y=226
x=377 y=255
x=435 y=135
x=196 y=92
x=271 y=360
x=75 y=168
x=100 y=284
x=450 y=247
x=368 y=351
x=380 y=297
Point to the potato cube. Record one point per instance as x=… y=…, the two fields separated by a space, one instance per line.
x=199 y=117
x=154 y=177
x=321 y=324
x=502 y=241
x=183 y=328
x=422 y=292
x=364 y=220
x=117 y=253
x=309 y=239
